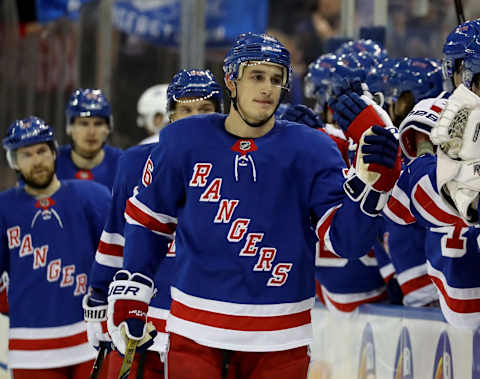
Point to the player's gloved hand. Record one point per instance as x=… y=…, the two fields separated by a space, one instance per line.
x=95 y=314
x=128 y=298
x=355 y=114
x=303 y=115
x=378 y=160
x=3 y=294
x=376 y=169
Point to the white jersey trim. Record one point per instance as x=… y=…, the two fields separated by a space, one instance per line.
x=241 y=340
x=234 y=309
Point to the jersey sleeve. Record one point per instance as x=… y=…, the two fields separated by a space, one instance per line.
x=407 y=250
x=109 y=254
x=342 y=227
x=151 y=214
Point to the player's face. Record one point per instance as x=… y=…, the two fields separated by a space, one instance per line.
x=36 y=164
x=191 y=106
x=89 y=134
x=259 y=90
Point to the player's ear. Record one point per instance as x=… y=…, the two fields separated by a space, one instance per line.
x=230 y=85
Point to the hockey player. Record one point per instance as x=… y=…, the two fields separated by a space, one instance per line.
x=406 y=237
x=440 y=193
x=89 y=122
x=152 y=111
x=49 y=231
x=343 y=284
x=239 y=193
x=186 y=85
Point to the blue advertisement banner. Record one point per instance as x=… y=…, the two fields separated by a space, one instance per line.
x=50 y=10
x=159 y=20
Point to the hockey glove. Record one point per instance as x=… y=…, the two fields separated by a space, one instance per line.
x=95 y=314
x=355 y=114
x=128 y=298
x=303 y=115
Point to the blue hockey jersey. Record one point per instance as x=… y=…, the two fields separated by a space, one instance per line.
x=451 y=246
x=47 y=247
x=109 y=255
x=241 y=212
x=103 y=173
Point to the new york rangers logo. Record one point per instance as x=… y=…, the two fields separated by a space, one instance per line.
x=46 y=212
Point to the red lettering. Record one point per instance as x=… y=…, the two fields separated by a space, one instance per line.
x=67 y=278
x=200 y=174
x=53 y=270
x=147 y=172
x=238 y=229
x=267 y=255
x=13 y=235
x=81 y=287
x=212 y=193
x=26 y=246
x=40 y=257
x=279 y=274
x=171 y=249
x=225 y=211
x=250 y=248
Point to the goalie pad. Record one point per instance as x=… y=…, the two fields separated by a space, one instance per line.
x=458 y=182
x=457 y=130
x=128 y=298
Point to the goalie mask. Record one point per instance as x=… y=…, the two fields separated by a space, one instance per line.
x=458 y=159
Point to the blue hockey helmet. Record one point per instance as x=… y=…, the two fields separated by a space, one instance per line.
x=26 y=132
x=471 y=62
x=421 y=76
x=194 y=83
x=87 y=102
x=364 y=46
x=250 y=47
x=318 y=79
x=377 y=77
x=456 y=44
x=349 y=68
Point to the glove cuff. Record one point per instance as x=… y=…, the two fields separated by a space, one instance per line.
x=93 y=313
x=371 y=201
x=365 y=119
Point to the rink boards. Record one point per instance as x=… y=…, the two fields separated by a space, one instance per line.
x=378 y=342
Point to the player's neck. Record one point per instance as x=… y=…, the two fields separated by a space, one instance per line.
x=48 y=191
x=235 y=125
x=87 y=163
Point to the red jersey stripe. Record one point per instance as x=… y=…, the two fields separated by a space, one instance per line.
x=400 y=210
x=457 y=305
x=415 y=283
x=48 y=343
x=110 y=249
x=431 y=207
x=148 y=221
x=242 y=323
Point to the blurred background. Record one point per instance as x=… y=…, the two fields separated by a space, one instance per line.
x=48 y=48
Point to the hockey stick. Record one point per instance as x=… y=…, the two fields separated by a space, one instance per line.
x=97 y=365
x=128 y=359
x=459 y=10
